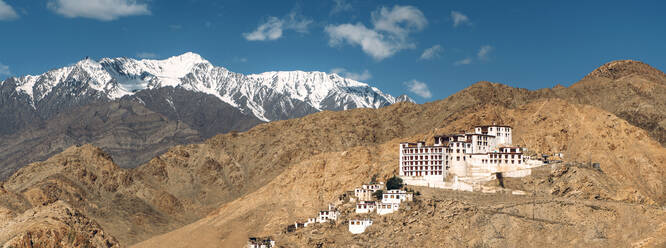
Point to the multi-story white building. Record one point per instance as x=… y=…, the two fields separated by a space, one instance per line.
x=364 y=207
x=421 y=161
x=326 y=215
x=502 y=133
x=485 y=151
x=364 y=193
x=387 y=208
x=396 y=196
x=359 y=226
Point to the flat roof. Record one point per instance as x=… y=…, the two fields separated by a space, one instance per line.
x=449 y=135
x=492 y=126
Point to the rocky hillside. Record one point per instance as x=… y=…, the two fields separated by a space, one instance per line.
x=452 y=219
x=545 y=126
x=53 y=225
x=632 y=90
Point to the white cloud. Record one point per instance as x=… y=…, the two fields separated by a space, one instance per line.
x=7 y=12
x=432 y=52
x=273 y=28
x=365 y=75
x=400 y=20
x=146 y=55
x=459 y=18
x=103 y=10
x=483 y=52
x=4 y=70
x=419 y=88
x=465 y=61
x=340 y=6
x=390 y=32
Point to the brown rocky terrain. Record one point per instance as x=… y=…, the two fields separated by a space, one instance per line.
x=53 y=225
x=441 y=218
x=256 y=182
x=293 y=197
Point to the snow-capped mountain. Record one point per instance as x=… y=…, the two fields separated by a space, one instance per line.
x=268 y=96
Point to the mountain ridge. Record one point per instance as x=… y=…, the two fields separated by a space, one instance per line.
x=113 y=78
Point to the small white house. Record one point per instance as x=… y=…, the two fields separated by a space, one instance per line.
x=364 y=193
x=330 y=214
x=359 y=226
x=387 y=208
x=396 y=196
x=364 y=207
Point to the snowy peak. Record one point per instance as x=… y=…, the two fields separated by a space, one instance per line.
x=404 y=98
x=268 y=96
x=315 y=87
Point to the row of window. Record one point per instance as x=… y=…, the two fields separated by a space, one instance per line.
x=421 y=168
x=505 y=155
x=493 y=161
x=434 y=162
x=422 y=157
x=421 y=150
x=424 y=173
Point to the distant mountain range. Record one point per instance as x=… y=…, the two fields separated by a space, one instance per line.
x=135 y=109
x=268 y=96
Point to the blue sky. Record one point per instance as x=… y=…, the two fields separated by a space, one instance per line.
x=427 y=49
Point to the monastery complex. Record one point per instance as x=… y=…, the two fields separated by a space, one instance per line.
x=460 y=161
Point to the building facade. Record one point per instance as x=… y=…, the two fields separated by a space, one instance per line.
x=359 y=226
x=364 y=193
x=326 y=215
x=478 y=154
x=396 y=196
x=364 y=207
x=387 y=208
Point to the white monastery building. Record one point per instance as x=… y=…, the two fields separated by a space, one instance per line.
x=364 y=207
x=387 y=208
x=364 y=193
x=326 y=215
x=359 y=226
x=467 y=156
x=396 y=196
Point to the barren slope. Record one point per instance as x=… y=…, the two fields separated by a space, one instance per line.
x=55 y=225
x=549 y=125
